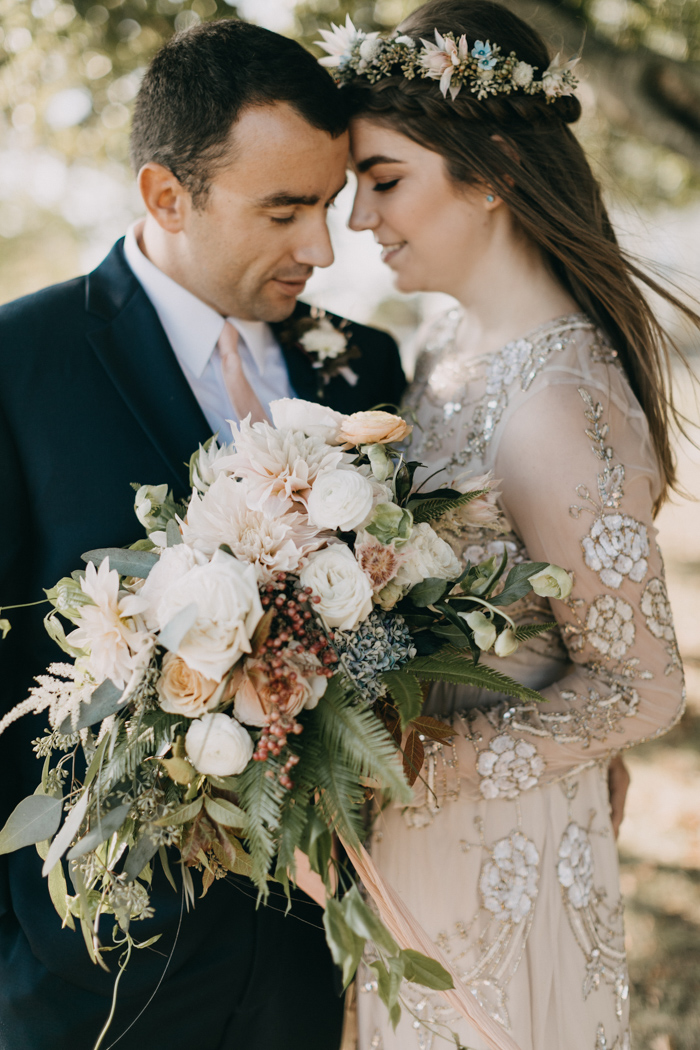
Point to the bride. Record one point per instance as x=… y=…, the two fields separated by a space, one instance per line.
x=551 y=375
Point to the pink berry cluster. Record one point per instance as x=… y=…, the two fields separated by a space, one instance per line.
x=294 y=627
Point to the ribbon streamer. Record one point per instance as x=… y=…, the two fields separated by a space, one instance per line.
x=410 y=934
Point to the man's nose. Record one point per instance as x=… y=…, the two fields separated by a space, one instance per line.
x=316 y=249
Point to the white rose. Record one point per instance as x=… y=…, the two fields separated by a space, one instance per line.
x=340 y=499
x=484 y=631
x=552 y=582
x=149 y=498
x=345 y=592
x=225 y=593
x=218 y=746
x=506 y=643
x=172 y=565
x=291 y=413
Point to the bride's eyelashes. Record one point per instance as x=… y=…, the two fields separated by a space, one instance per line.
x=382 y=187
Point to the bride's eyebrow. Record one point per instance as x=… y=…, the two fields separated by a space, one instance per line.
x=365 y=165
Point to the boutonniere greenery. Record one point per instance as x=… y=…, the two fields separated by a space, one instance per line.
x=326 y=344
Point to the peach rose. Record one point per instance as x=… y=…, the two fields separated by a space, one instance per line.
x=373 y=428
x=252 y=704
x=183 y=691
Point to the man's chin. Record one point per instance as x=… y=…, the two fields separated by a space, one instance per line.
x=276 y=309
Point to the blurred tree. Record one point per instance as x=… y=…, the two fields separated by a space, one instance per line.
x=68 y=70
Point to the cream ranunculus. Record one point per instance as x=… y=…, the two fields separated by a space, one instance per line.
x=371 y=428
x=340 y=499
x=552 y=582
x=218 y=746
x=308 y=417
x=225 y=593
x=506 y=643
x=183 y=691
x=484 y=631
x=345 y=592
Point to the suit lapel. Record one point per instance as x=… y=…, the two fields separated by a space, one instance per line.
x=302 y=374
x=136 y=355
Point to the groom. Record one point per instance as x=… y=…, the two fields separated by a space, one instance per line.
x=240 y=142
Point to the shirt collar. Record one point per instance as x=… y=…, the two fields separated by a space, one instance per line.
x=192 y=327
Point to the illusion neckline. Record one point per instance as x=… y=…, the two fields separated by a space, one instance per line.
x=533 y=335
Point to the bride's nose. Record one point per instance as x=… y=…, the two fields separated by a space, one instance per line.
x=363 y=215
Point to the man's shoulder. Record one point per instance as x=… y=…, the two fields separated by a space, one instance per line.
x=47 y=303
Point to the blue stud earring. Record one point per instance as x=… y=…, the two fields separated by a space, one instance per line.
x=490 y=198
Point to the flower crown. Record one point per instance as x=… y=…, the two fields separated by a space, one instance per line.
x=482 y=70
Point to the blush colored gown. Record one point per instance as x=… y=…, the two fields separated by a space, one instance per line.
x=511 y=864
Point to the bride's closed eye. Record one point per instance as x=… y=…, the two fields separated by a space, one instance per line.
x=382 y=187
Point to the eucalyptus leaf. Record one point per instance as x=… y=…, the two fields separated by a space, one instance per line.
x=104 y=701
x=420 y=969
x=126 y=562
x=183 y=814
x=68 y=832
x=35 y=819
x=365 y=923
x=224 y=812
x=140 y=854
x=175 y=630
x=428 y=592
x=346 y=947
x=104 y=827
x=172 y=531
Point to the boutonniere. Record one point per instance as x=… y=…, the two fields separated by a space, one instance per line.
x=328 y=346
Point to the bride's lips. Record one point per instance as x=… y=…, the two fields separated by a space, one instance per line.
x=390 y=251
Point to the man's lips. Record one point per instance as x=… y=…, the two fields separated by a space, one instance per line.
x=292 y=285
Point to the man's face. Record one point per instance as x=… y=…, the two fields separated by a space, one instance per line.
x=250 y=248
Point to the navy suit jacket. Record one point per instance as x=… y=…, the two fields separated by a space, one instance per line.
x=91 y=399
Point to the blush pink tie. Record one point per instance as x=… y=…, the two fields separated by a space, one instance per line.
x=243 y=397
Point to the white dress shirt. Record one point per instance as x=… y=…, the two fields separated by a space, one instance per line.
x=193 y=330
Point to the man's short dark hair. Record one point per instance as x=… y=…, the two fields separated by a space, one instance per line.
x=202 y=80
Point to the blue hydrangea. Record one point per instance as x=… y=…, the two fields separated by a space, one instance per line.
x=382 y=643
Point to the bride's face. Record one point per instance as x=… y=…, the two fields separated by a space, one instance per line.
x=433 y=233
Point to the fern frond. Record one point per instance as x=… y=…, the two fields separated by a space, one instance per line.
x=356 y=739
x=261 y=795
x=531 y=630
x=454 y=665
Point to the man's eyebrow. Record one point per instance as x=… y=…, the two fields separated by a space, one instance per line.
x=364 y=165
x=286 y=200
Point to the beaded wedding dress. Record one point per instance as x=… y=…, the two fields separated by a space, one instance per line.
x=508 y=859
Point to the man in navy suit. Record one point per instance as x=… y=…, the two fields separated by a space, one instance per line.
x=240 y=145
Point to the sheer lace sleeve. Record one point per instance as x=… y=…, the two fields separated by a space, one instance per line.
x=579 y=484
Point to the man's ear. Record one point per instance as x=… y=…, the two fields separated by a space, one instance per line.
x=165 y=197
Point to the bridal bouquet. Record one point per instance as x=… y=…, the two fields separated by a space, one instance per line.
x=247 y=675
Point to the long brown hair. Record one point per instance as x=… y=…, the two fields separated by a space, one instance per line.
x=522 y=147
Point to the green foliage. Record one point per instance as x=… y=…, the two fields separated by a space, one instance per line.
x=427 y=592
x=262 y=797
x=104 y=826
x=406 y=694
x=430 y=506
x=104 y=701
x=453 y=665
x=517 y=583
x=126 y=561
x=531 y=630
x=35 y=819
